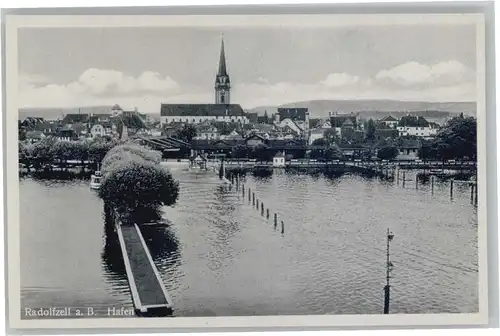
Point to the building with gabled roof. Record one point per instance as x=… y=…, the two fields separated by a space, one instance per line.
x=73 y=118
x=416 y=126
x=198 y=113
x=337 y=120
x=389 y=121
x=221 y=110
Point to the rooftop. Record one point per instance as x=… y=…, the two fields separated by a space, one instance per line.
x=200 y=110
x=389 y=118
x=413 y=121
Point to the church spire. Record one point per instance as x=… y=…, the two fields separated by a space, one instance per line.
x=222 y=60
x=222 y=83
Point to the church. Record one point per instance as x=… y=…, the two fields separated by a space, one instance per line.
x=221 y=110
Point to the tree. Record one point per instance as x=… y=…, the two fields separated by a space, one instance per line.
x=331 y=136
x=186 y=133
x=333 y=153
x=370 y=131
x=63 y=151
x=266 y=117
x=262 y=152
x=427 y=152
x=456 y=140
x=320 y=142
x=387 y=153
x=42 y=152
x=98 y=148
x=133 y=182
x=328 y=152
x=21 y=131
x=239 y=151
x=317 y=153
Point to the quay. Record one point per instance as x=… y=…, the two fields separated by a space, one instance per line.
x=149 y=294
x=310 y=163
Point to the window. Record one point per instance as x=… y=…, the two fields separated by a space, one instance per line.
x=194 y=120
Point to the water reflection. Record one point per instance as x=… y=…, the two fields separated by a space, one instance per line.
x=262 y=172
x=61 y=175
x=112 y=260
x=162 y=243
x=225 y=228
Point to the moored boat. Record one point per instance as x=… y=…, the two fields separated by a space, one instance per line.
x=95 y=180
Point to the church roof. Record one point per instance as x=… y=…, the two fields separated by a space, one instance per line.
x=200 y=110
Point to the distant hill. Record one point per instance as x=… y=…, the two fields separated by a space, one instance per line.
x=54 y=113
x=317 y=109
x=377 y=108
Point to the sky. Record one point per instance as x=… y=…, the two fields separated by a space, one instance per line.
x=143 y=67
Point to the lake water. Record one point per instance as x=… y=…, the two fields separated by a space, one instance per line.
x=219 y=256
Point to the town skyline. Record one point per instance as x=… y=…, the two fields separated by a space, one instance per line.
x=439 y=68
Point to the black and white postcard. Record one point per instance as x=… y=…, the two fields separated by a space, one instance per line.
x=198 y=171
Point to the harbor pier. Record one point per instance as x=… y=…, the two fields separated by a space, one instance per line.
x=149 y=295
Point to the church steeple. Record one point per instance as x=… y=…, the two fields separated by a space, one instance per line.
x=222 y=60
x=222 y=83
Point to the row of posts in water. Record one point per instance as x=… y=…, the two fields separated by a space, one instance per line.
x=255 y=203
x=473 y=186
x=473 y=190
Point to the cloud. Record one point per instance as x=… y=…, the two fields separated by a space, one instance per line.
x=99 y=82
x=443 y=81
x=340 y=79
x=416 y=74
x=29 y=80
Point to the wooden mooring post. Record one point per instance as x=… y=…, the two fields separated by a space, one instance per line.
x=261 y=208
x=253 y=199
x=275 y=219
x=249 y=194
x=432 y=184
x=282 y=227
x=451 y=188
x=475 y=193
x=404 y=178
x=267 y=214
x=416 y=181
x=397 y=177
x=257 y=204
x=472 y=193
x=243 y=190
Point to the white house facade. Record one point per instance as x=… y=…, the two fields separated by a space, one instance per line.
x=196 y=119
x=418 y=131
x=97 y=130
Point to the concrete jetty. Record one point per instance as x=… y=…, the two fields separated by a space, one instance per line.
x=149 y=294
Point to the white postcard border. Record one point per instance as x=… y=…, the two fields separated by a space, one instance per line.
x=13 y=22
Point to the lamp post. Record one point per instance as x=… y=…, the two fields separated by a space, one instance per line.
x=389 y=266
